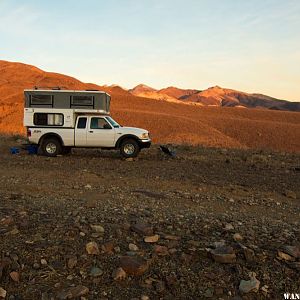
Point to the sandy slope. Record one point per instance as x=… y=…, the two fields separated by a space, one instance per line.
x=167 y=122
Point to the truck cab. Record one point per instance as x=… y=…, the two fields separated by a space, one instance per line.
x=68 y=124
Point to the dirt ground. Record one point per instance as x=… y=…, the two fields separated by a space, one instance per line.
x=198 y=202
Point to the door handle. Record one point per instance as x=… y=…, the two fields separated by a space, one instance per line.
x=91 y=131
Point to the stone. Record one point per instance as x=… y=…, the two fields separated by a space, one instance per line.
x=237 y=237
x=209 y=293
x=151 y=239
x=15 y=276
x=293 y=251
x=92 y=248
x=171 y=237
x=161 y=250
x=134 y=265
x=73 y=292
x=290 y=194
x=2 y=293
x=97 y=228
x=95 y=272
x=7 y=221
x=119 y=274
x=285 y=256
x=247 y=286
x=133 y=247
x=249 y=254
x=142 y=228
x=108 y=247
x=44 y=262
x=144 y=297
x=224 y=254
x=229 y=227
x=14 y=231
x=72 y=262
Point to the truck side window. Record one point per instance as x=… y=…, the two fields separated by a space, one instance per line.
x=81 y=123
x=99 y=123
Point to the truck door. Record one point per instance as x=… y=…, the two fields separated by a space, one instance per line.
x=100 y=133
x=81 y=132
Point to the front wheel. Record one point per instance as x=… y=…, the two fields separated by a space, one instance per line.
x=51 y=147
x=129 y=148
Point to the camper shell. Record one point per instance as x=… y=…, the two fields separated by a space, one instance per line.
x=68 y=99
x=61 y=107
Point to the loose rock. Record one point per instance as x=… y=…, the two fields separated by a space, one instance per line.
x=95 y=272
x=2 y=293
x=15 y=276
x=247 y=286
x=134 y=265
x=142 y=228
x=72 y=262
x=224 y=255
x=119 y=274
x=151 y=239
x=97 y=228
x=133 y=247
x=293 y=251
x=92 y=248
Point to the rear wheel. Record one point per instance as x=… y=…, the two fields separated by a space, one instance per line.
x=129 y=148
x=51 y=147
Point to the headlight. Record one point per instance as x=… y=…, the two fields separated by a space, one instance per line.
x=145 y=135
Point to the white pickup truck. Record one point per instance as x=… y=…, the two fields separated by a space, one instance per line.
x=59 y=120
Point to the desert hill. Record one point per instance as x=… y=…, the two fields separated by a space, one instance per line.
x=216 y=96
x=168 y=122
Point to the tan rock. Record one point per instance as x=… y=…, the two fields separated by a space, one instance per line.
x=2 y=293
x=151 y=239
x=72 y=262
x=15 y=276
x=97 y=228
x=237 y=237
x=92 y=248
x=285 y=256
x=119 y=274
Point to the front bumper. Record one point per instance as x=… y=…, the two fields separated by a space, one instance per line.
x=145 y=143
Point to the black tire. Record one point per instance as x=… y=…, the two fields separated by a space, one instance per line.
x=51 y=147
x=129 y=148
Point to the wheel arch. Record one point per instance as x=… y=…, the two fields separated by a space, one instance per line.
x=125 y=137
x=51 y=135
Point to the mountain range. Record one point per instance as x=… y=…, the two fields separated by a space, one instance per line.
x=215 y=96
x=179 y=118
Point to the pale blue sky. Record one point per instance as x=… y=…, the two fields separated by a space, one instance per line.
x=251 y=45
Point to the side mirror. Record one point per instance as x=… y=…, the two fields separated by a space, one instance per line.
x=106 y=126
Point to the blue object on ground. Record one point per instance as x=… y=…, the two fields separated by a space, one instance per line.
x=32 y=149
x=14 y=150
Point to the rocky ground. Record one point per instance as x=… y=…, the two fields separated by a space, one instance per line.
x=210 y=223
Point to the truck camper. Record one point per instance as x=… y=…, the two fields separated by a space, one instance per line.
x=59 y=120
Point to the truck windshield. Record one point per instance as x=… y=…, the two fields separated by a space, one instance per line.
x=113 y=122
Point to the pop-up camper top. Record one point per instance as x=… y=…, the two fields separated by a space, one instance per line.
x=94 y=101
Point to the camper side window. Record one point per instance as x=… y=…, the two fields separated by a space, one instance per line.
x=82 y=101
x=41 y=100
x=44 y=119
